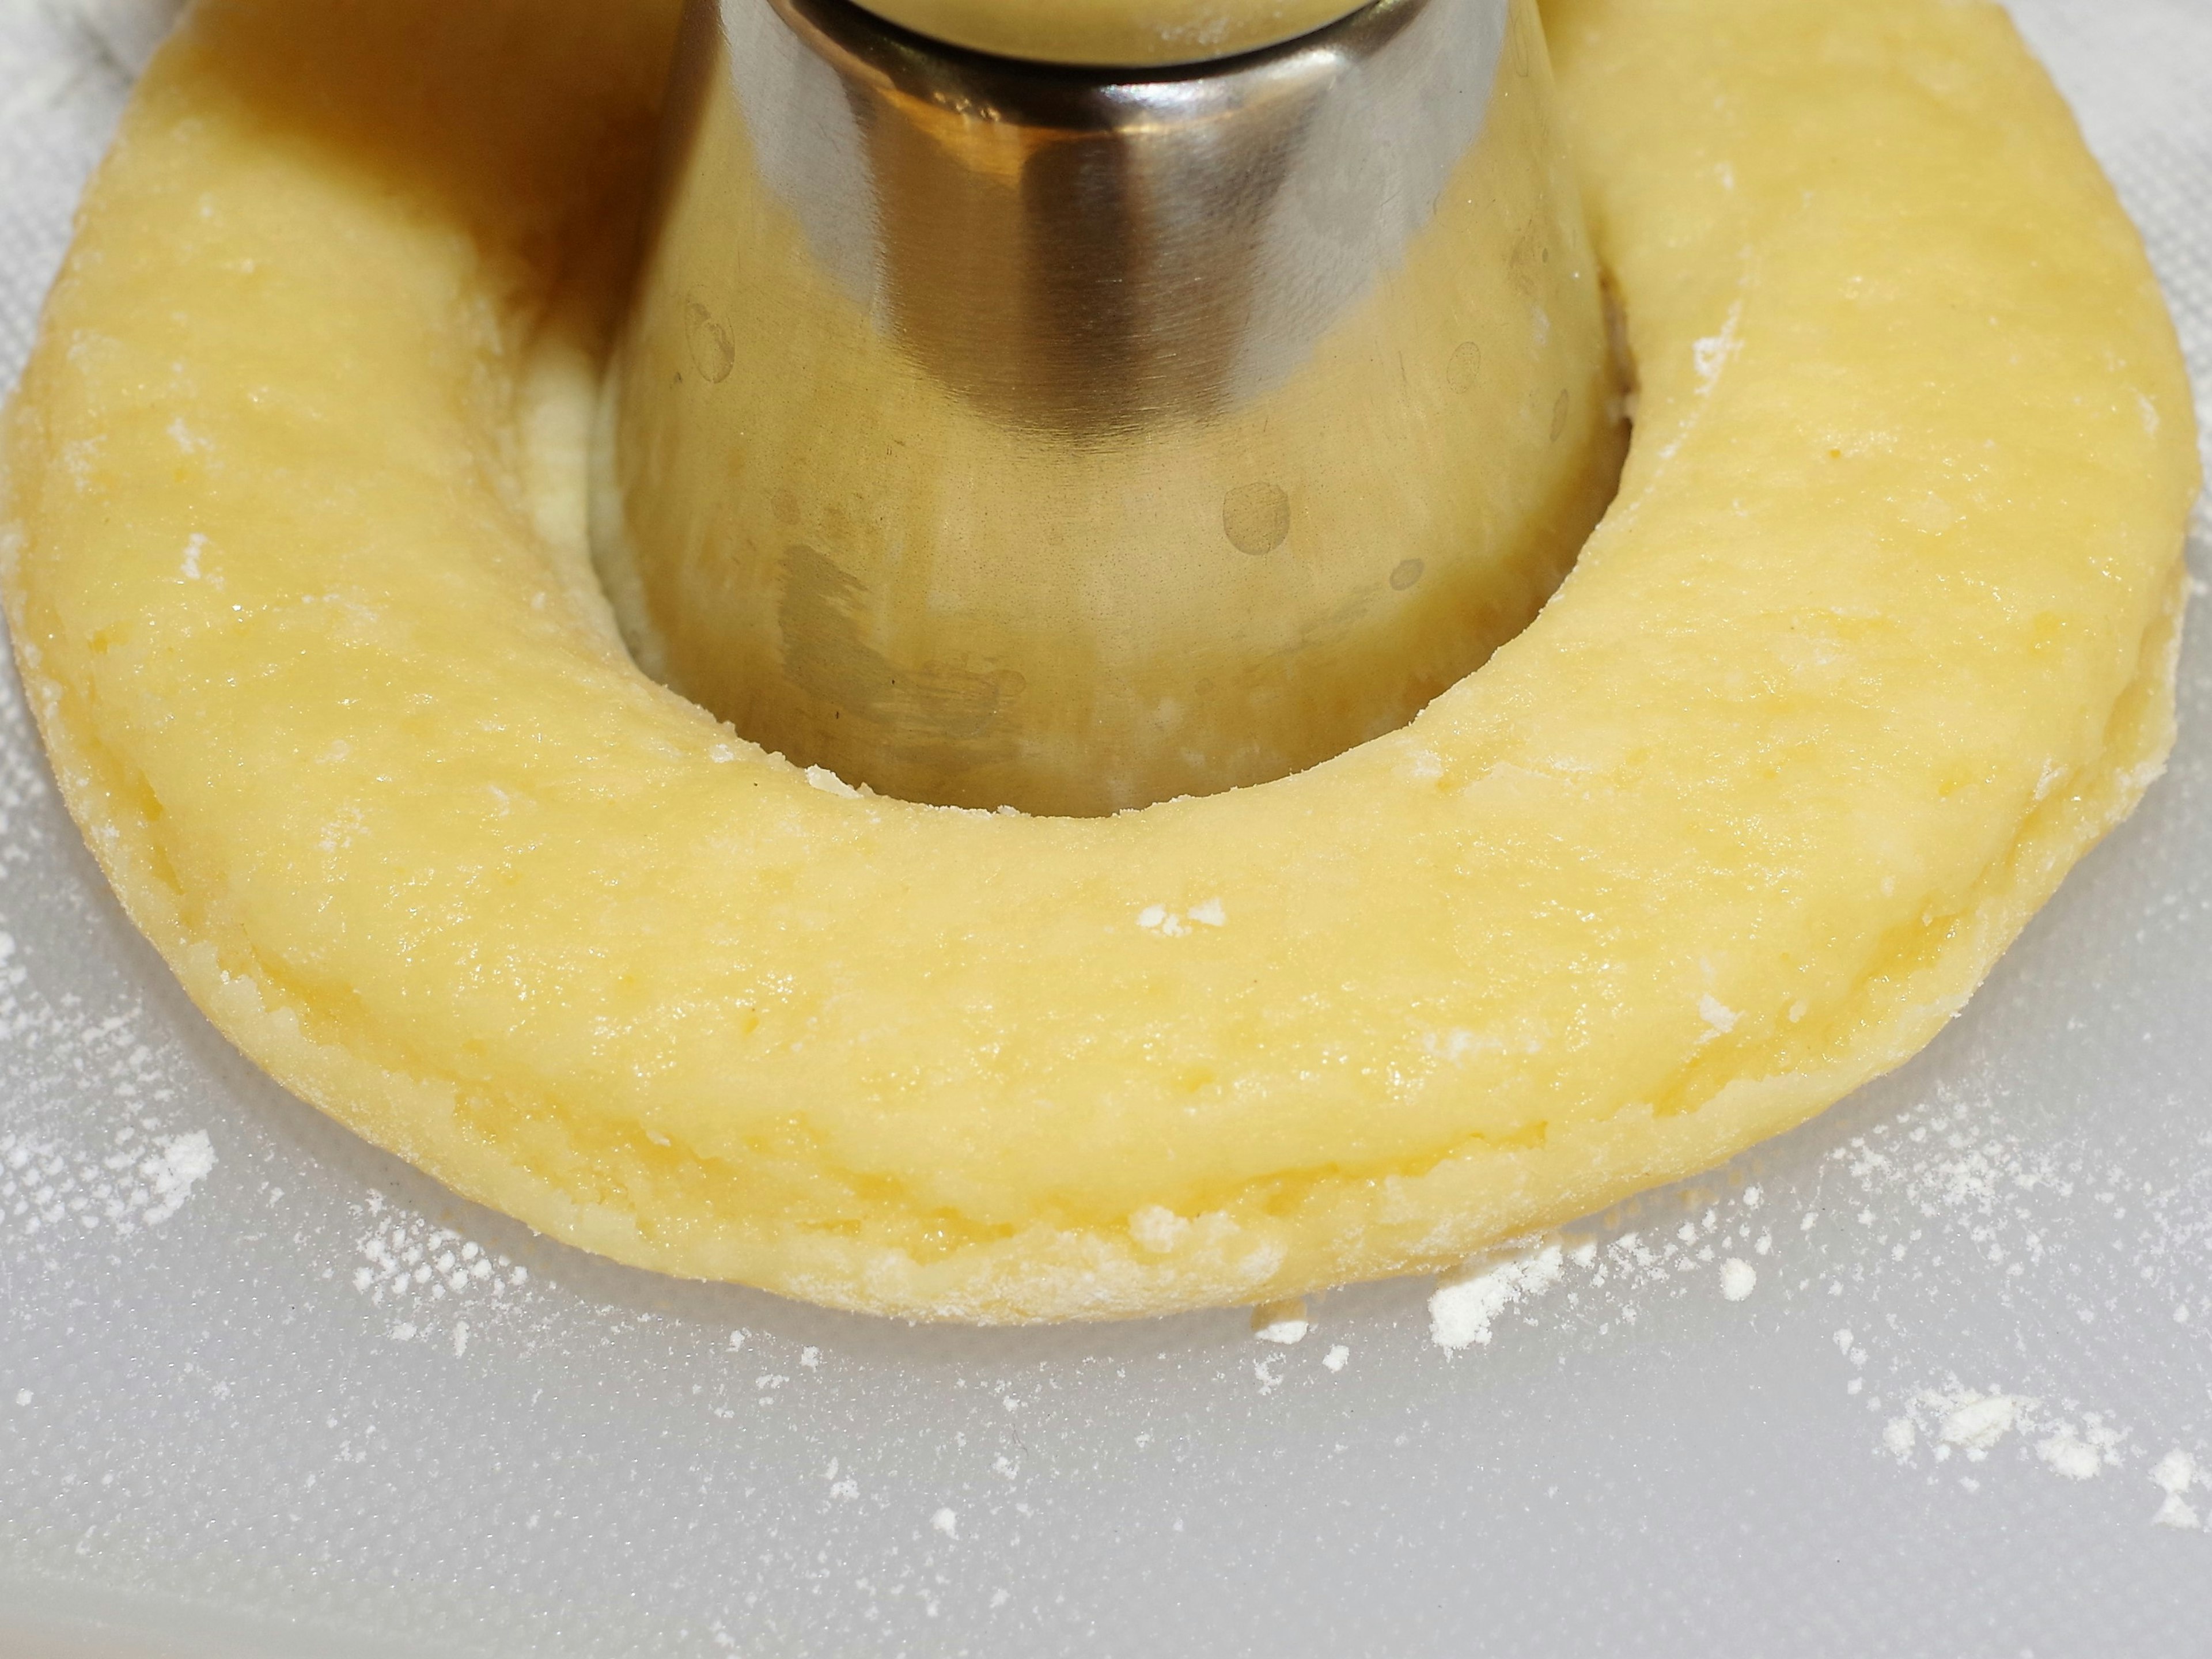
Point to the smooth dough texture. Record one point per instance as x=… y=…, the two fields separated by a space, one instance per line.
x=1877 y=639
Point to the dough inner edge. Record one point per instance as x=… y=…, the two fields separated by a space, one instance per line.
x=1303 y=1226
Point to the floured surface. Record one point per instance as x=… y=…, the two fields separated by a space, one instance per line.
x=213 y=1409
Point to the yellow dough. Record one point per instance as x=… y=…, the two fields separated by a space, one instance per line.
x=1877 y=639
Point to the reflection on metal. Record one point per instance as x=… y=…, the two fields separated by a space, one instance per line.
x=998 y=435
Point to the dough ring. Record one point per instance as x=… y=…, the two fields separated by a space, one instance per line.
x=1878 y=639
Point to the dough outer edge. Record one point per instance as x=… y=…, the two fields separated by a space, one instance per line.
x=1088 y=1273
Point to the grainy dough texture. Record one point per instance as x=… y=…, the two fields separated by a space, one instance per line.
x=1877 y=640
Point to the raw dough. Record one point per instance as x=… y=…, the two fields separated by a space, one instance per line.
x=1877 y=640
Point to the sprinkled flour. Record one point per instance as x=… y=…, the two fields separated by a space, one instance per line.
x=1938 y=1180
x=1467 y=1302
x=425 y=1273
x=1282 y=1322
x=67 y=1172
x=2176 y=1476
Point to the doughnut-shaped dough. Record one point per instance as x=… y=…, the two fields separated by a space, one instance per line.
x=1877 y=640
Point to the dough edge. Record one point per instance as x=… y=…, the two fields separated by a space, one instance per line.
x=1335 y=1231
x=1338 y=1232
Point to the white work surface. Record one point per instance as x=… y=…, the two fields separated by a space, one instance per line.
x=1950 y=1399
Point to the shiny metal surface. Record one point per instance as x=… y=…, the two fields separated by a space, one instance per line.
x=1116 y=34
x=995 y=435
